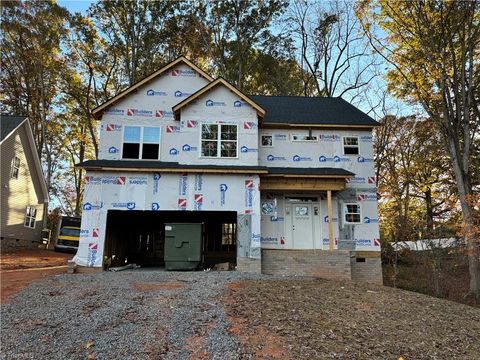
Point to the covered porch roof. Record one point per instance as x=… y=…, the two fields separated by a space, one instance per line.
x=305 y=179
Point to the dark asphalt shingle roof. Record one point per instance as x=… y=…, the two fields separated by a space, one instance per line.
x=311 y=111
x=310 y=171
x=152 y=164
x=8 y=124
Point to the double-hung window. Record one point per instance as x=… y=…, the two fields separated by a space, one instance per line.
x=15 y=170
x=30 y=215
x=350 y=145
x=352 y=213
x=219 y=140
x=141 y=142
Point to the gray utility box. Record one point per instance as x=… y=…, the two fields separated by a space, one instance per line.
x=183 y=246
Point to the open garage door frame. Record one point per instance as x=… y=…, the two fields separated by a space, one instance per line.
x=139 y=236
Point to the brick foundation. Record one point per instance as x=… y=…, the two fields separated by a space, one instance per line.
x=369 y=270
x=10 y=244
x=333 y=265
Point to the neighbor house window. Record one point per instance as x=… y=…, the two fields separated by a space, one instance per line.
x=15 y=168
x=350 y=145
x=141 y=142
x=30 y=215
x=304 y=137
x=219 y=140
x=352 y=213
x=267 y=140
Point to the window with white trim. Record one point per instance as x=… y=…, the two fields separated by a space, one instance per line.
x=352 y=213
x=219 y=140
x=350 y=145
x=30 y=215
x=141 y=142
x=15 y=170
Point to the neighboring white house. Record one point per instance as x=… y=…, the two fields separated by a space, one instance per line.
x=428 y=244
x=282 y=184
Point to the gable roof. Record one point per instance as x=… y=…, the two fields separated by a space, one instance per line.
x=219 y=81
x=313 y=111
x=8 y=124
x=97 y=112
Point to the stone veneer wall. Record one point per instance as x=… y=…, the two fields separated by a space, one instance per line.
x=333 y=265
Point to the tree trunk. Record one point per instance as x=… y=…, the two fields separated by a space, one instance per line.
x=429 y=210
x=472 y=242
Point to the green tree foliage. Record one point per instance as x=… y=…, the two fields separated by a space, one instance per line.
x=433 y=48
x=241 y=40
x=415 y=188
x=275 y=76
x=31 y=39
x=137 y=33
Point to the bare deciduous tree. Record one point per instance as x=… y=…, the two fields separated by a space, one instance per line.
x=332 y=49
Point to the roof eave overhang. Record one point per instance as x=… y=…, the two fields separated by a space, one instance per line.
x=172 y=170
x=37 y=161
x=313 y=176
x=13 y=130
x=317 y=126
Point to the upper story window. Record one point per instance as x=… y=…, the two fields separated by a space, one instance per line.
x=267 y=140
x=15 y=170
x=219 y=140
x=141 y=142
x=350 y=145
x=30 y=215
x=352 y=213
x=304 y=137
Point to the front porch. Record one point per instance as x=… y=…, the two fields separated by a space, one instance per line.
x=313 y=188
x=314 y=238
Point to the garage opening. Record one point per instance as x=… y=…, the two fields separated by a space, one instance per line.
x=139 y=236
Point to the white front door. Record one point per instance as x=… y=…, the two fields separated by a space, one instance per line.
x=302 y=225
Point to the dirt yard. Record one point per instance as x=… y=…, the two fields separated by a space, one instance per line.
x=20 y=268
x=154 y=314
x=319 y=319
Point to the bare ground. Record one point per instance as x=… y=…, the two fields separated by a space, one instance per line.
x=27 y=259
x=20 y=268
x=222 y=315
x=307 y=319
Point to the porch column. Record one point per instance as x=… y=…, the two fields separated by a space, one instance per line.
x=330 y=220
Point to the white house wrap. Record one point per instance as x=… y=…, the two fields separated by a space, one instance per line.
x=296 y=173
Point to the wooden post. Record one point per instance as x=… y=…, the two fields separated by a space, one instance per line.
x=330 y=220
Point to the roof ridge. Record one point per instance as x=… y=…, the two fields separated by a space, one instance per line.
x=302 y=97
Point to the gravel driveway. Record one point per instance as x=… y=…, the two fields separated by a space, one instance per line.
x=137 y=314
